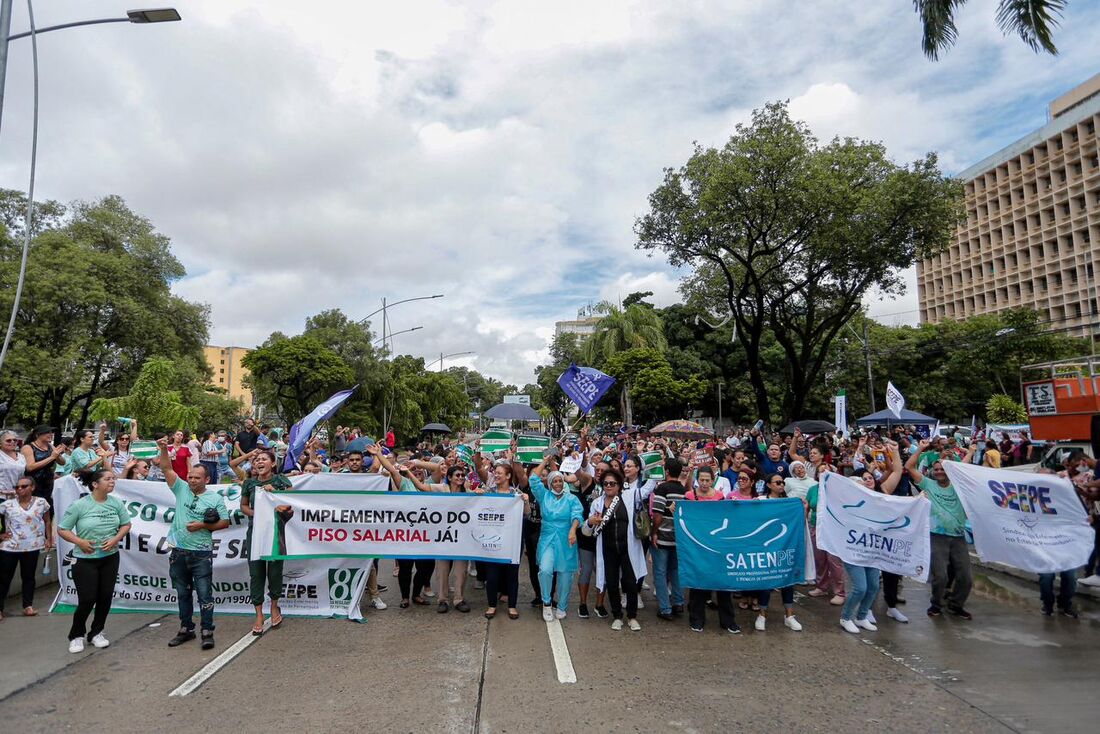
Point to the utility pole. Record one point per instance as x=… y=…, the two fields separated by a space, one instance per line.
x=719 y=406
x=867 y=357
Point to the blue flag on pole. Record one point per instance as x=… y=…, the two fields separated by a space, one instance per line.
x=730 y=545
x=585 y=386
x=300 y=431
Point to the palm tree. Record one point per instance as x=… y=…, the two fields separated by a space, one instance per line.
x=619 y=329
x=1032 y=20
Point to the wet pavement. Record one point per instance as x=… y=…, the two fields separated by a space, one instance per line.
x=1010 y=669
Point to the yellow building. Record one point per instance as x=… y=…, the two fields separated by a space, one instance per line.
x=229 y=374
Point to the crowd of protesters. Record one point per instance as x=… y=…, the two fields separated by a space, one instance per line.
x=591 y=515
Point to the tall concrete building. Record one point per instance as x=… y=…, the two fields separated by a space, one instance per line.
x=582 y=327
x=228 y=372
x=1032 y=230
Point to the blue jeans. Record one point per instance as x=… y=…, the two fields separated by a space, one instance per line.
x=1065 y=592
x=193 y=571
x=666 y=578
x=863 y=592
x=212 y=473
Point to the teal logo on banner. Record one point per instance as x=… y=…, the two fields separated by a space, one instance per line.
x=728 y=545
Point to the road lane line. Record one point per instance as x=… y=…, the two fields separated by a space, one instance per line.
x=562 y=661
x=207 y=671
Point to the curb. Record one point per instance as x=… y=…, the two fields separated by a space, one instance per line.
x=1090 y=592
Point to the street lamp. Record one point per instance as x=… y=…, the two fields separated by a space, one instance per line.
x=443 y=356
x=395 y=333
x=156 y=15
x=386 y=306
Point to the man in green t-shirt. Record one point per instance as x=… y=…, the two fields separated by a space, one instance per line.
x=949 y=548
x=191 y=563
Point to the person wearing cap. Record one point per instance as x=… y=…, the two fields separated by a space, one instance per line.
x=43 y=459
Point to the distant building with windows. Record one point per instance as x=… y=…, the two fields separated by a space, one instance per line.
x=1032 y=230
x=229 y=374
x=581 y=327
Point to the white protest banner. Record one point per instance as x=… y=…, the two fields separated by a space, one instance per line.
x=1033 y=522
x=570 y=464
x=895 y=401
x=868 y=528
x=348 y=523
x=310 y=588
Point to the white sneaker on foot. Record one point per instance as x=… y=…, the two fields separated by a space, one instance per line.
x=645 y=586
x=817 y=592
x=377 y=603
x=837 y=600
x=100 y=641
x=559 y=614
x=760 y=623
x=641 y=605
x=871 y=617
x=547 y=614
x=633 y=625
x=76 y=645
x=866 y=624
x=1093 y=580
x=792 y=623
x=849 y=626
x=617 y=625
x=894 y=614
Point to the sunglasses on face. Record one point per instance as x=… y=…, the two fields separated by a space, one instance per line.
x=743 y=478
x=610 y=484
x=24 y=486
x=777 y=481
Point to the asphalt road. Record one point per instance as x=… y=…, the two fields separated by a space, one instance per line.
x=414 y=670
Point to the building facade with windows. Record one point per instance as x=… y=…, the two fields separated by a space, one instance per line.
x=229 y=374
x=581 y=327
x=1032 y=230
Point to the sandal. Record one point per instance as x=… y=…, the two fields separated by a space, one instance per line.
x=404 y=604
x=742 y=605
x=420 y=602
x=513 y=614
x=257 y=632
x=490 y=613
x=30 y=612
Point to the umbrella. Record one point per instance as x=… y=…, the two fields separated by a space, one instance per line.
x=512 y=412
x=810 y=426
x=887 y=418
x=436 y=428
x=682 y=429
x=360 y=444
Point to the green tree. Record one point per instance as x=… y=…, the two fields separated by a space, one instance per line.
x=789 y=235
x=1033 y=21
x=152 y=401
x=1003 y=409
x=619 y=329
x=96 y=305
x=656 y=391
x=292 y=375
x=564 y=351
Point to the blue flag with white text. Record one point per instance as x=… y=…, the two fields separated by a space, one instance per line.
x=742 y=545
x=300 y=431
x=585 y=385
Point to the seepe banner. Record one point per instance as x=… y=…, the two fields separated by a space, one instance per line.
x=868 y=528
x=350 y=523
x=742 y=546
x=311 y=589
x=1033 y=522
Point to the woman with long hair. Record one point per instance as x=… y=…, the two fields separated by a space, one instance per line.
x=94 y=524
x=120 y=449
x=260 y=571
x=503 y=573
x=454 y=481
x=84 y=458
x=43 y=460
x=619 y=557
x=698 y=598
x=636 y=482
x=776 y=489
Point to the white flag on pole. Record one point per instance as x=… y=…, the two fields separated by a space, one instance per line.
x=895 y=401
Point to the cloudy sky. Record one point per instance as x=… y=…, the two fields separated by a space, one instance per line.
x=310 y=156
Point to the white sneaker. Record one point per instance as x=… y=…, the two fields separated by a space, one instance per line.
x=617 y=625
x=849 y=626
x=866 y=624
x=633 y=625
x=100 y=641
x=760 y=623
x=793 y=624
x=547 y=614
x=559 y=614
x=377 y=603
x=871 y=617
x=1093 y=580
x=76 y=645
x=645 y=586
x=641 y=605
x=897 y=615
x=837 y=600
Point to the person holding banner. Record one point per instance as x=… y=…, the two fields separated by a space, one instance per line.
x=557 y=549
x=948 y=537
x=94 y=524
x=619 y=555
x=666 y=572
x=504 y=573
x=259 y=571
x=873 y=480
x=776 y=489
x=698 y=598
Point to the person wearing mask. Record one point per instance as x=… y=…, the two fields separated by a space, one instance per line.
x=13 y=465
x=94 y=524
x=557 y=549
x=798 y=484
x=223 y=449
x=619 y=556
x=503 y=573
x=199 y=512
x=261 y=571
x=776 y=489
x=27 y=532
x=43 y=459
x=698 y=598
x=948 y=523
x=666 y=573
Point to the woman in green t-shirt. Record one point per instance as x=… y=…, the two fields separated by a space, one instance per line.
x=259 y=571
x=95 y=524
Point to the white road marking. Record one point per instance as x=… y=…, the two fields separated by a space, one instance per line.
x=562 y=661
x=207 y=671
